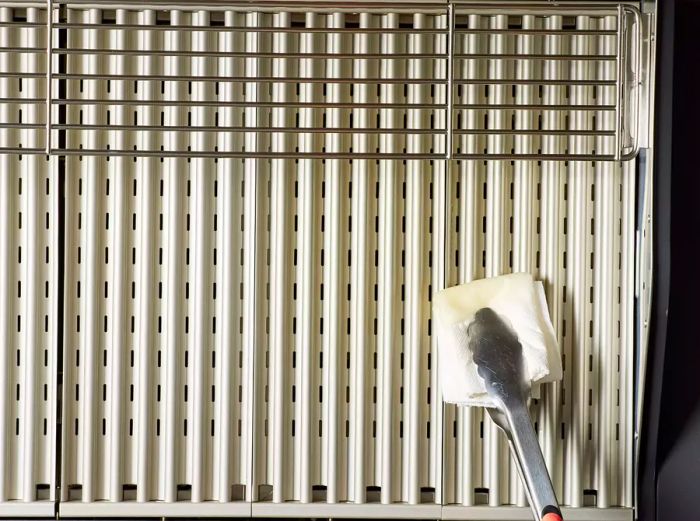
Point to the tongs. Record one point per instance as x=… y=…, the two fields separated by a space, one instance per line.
x=498 y=356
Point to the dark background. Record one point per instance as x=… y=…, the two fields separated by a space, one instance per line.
x=669 y=486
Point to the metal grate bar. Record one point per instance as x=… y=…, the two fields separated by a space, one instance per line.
x=277 y=30
x=29 y=260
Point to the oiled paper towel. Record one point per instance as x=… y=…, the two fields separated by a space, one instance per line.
x=521 y=301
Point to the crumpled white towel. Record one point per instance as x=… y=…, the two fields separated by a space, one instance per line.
x=521 y=301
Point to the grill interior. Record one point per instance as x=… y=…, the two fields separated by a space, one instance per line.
x=227 y=248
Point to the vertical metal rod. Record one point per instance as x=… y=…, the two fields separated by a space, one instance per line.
x=175 y=174
x=441 y=180
x=525 y=214
x=618 y=86
x=229 y=209
x=638 y=78
x=7 y=279
x=360 y=276
x=415 y=276
x=119 y=173
x=252 y=334
x=605 y=342
x=202 y=182
x=145 y=169
x=469 y=242
x=308 y=272
x=280 y=287
x=49 y=61
x=334 y=274
x=625 y=478
x=31 y=171
x=450 y=71
x=579 y=247
x=90 y=335
x=498 y=175
x=387 y=277
x=552 y=209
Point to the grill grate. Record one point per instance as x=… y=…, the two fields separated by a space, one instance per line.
x=258 y=208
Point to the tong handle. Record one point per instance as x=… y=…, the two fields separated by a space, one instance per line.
x=533 y=470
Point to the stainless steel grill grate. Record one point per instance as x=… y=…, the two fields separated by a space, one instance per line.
x=258 y=205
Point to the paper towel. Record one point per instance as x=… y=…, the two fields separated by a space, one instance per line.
x=519 y=300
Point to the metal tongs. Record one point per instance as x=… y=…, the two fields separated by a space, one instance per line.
x=498 y=356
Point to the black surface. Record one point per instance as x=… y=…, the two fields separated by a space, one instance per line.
x=669 y=487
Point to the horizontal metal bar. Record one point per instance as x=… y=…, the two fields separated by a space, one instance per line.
x=395 y=510
x=228 y=28
x=504 y=106
x=256 y=79
x=531 y=82
x=243 y=104
x=324 y=55
x=246 y=155
x=273 y=79
x=266 y=130
x=300 y=105
x=324 y=30
x=308 y=155
x=558 y=57
x=23 y=125
x=268 y=4
x=536 y=157
x=256 y=55
x=538 y=132
x=544 y=32
x=528 y=8
x=154 y=509
x=455 y=512
x=19 y=509
x=25 y=50
x=23 y=101
x=19 y=25
x=310 y=130
x=21 y=150
x=22 y=74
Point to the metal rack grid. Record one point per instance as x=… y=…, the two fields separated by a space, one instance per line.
x=483 y=72
x=533 y=79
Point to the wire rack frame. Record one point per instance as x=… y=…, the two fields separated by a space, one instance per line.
x=622 y=139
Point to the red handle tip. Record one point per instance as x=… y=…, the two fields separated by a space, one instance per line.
x=552 y=517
